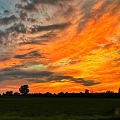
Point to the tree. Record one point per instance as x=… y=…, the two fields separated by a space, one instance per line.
x=9 y=93
x=24 y=89
x=61 y=94
x=119 y=91
x=86 y=91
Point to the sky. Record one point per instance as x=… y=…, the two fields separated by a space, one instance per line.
x=60 y=45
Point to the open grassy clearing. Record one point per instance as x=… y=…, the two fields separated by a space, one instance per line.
x=36 y=108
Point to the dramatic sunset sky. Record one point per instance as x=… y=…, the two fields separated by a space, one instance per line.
x=60 y=45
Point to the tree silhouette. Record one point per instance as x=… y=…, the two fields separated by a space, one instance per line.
x=9 y=93
x=24 y=89
x=86 y=91
x=119 y=91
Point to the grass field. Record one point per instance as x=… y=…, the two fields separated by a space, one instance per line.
x=28 y=108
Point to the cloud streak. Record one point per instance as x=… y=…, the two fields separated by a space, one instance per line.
x=14 y=73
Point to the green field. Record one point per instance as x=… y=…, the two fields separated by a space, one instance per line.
x=33 y=108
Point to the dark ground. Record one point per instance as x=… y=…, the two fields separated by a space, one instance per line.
x=37 y=108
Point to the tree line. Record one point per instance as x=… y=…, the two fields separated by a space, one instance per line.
x=24 y=91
